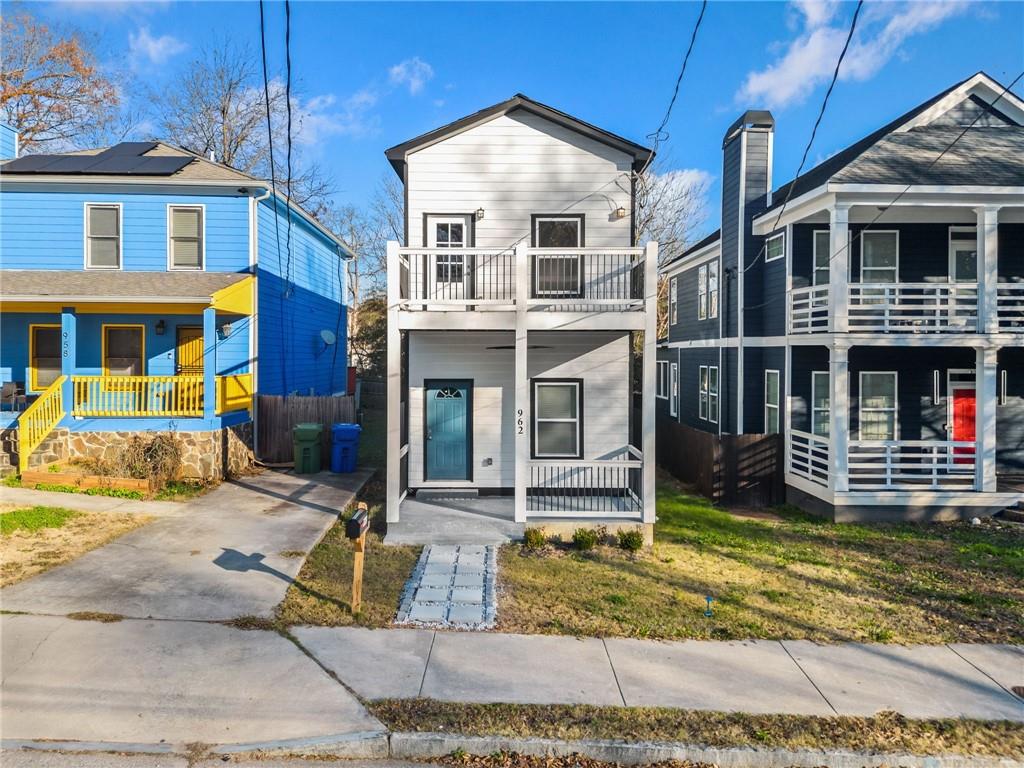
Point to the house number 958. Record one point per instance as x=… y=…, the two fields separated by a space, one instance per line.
x=519 y=420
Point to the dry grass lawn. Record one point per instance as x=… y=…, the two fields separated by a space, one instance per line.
x=885 y=732
x=36 y=539
x=789 y=577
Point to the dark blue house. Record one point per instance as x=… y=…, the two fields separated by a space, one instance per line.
x=145 y=288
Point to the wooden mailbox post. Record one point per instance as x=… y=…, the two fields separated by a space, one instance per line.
x=355 y=529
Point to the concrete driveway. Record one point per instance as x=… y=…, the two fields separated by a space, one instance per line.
x=230 y=553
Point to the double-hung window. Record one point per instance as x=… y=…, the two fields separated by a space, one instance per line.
x=822 y=245
x=771 y=402
x=102 y=236
x=662 y=390
x=708 y=387
x=44 y=355
x=712 y=289
x=879 y=256
x=702 y=292
x=185 y=236
x=558 y=419
x=878 y=405
x=775 y=247
x=673 y=301
x=673 y=397
x=558 y=274
x=821 y=389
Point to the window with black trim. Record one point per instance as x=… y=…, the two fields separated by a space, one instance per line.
x=557 y=419
x=558 y=274
x=449 y=234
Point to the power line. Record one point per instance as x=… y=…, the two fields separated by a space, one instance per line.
x=814 y=133
x=288 y=112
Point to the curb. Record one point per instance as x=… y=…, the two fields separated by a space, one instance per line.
x=366 y=745
x=418 y=746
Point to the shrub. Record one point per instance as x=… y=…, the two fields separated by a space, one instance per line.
x=57 y=487
x=533 y=538
x=585 y=539
x=159 y=458
x=631 y=539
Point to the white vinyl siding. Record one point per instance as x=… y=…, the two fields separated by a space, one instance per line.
x=185 y=237
x=102 y=236
x=600 y=359
x=514 y=166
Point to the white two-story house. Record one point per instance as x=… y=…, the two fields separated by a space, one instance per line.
x=515 y=312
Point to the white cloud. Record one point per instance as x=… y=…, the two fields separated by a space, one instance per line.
x=810 y=58
x=414 y=73
x=142 y=46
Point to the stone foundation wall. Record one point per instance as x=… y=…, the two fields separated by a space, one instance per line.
x=210 y=455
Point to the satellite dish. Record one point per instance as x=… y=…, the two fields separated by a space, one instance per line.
x=328 y=337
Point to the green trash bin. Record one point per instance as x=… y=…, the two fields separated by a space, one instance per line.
x=306 y=444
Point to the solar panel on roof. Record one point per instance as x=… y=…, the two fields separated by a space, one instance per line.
x=68 y=164
x=128 y=148
x=161 y=166
x=29 y=163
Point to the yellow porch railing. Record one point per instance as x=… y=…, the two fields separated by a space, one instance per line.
x=234 y=393
x=137 y=396
x=38 y=421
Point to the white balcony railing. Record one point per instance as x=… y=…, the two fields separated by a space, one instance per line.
x=611 y=487
x=560 y=279
x=809 y=456
x=911 y=465
x=894 y=308
x=1010 y=307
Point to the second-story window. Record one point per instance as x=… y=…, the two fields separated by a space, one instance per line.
x=102 y=236
x=673 y=301
x=702 y=292
x=558 y=274
x=879 y=254
x=775 y=247
x=185 y=230
x=822 y=257
x=713 y=289
x=449 y=234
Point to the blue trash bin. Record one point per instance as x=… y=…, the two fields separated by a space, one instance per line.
x=344 y=447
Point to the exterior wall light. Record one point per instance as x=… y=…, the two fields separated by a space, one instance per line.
x=225 y=330
x=161 y=326
x=620 y=213
x=479 y=214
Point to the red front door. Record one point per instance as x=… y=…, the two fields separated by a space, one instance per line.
x=963 y=423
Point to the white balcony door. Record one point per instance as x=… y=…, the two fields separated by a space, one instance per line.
x=446 y=275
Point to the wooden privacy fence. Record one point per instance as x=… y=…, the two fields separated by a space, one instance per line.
x=741 y=470
x=276 y=415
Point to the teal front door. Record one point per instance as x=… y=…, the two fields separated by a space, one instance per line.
x=447 y=429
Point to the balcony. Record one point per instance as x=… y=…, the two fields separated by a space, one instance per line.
x=547 y=279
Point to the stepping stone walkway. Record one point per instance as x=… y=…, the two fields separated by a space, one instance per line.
x=451 y=586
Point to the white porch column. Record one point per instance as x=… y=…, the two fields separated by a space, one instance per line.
x=988 y=271
x=839 y=268
x=648 y=414
x=839 y=418
x=394 y=406
x=985 y=371
x=523 y=424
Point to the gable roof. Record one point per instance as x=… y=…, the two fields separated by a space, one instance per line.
x=397 y=154
x=908 y=121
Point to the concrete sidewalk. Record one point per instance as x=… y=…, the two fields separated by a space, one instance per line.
x=229 y=553
x=80 y=502
x=757 y=676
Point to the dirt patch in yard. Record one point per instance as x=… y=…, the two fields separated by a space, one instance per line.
x=25 y=553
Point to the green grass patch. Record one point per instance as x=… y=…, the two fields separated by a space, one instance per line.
x=116 y=493
x=322 y=594
x=885 y=732
x=181 y=490
x=57 y=487
x=794 y=576
x=34 y=519
x=11 y=481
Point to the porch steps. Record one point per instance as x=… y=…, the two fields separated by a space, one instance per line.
x=53 y=448
x=446 y=494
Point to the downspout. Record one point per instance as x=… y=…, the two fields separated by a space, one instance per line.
x=254 y=339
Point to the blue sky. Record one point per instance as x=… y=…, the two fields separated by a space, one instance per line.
x=374 y=74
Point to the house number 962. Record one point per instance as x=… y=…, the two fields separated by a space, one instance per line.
x=519 y=420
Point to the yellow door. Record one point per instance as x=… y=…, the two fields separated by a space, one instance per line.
x=190 y=351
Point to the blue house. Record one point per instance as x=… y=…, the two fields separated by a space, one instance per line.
x=144 y=288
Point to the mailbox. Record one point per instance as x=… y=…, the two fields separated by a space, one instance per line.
x=358 y=524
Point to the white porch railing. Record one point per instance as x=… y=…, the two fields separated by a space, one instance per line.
x=456 y=277
x=586 y=279
x=808 y=309
x=809 y=456
x=1010 y=307
x=610 y=487
x=911 y=465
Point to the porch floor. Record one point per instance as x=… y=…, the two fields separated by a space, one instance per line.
x=480 y=520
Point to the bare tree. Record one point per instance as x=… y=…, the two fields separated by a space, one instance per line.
x=219 y=107
x=51 y=89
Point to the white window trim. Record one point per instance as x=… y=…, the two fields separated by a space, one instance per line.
x=768 y=240
x=673 y=389
x=814 y=410
x=896 y=268
x=951 y=270
x=673 y=301
x=201 y=207
x=120 y=234
x=537 y=383
x=713 y=394
x=704 y=396
x=895 y=409
x=769 y=406
x=661 y=387
x=702 y=292
x=814 y=256
x=713 y=289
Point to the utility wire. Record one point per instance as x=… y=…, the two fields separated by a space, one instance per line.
x=288 y=111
